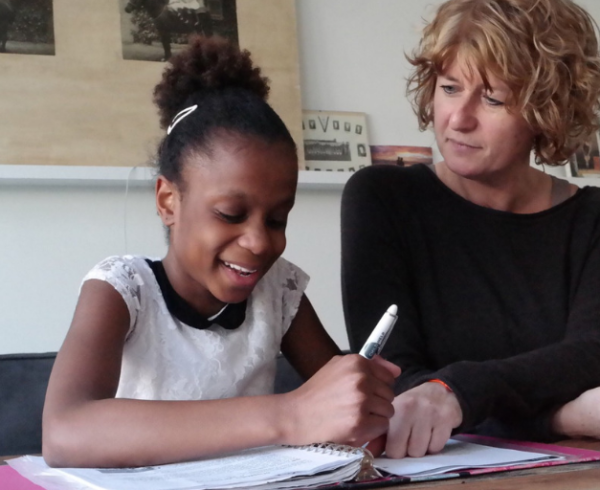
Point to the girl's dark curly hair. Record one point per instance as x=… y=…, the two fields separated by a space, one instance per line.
x=231 y=96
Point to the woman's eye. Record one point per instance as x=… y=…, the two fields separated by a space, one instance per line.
x=493 y=102
x=449 y=89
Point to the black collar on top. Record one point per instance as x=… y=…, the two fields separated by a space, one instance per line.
x=231 y=318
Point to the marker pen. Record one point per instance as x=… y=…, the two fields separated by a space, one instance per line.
x=380 y=333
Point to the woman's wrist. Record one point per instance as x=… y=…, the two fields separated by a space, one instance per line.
x=441 y=383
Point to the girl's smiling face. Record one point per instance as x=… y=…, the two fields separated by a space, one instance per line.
x=227 y=224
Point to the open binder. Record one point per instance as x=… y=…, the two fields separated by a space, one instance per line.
x=287 y=467
x=264 y=468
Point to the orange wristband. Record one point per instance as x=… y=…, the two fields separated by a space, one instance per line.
x=439 y=381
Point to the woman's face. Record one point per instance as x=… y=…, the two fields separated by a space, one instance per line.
x=476 y=135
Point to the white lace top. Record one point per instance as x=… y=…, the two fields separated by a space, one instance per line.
x=164 y=359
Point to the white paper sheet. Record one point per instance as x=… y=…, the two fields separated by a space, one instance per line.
x=459 y=455
x=252 y=468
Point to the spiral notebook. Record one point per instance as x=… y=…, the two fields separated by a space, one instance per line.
x=265 y=468
x=286 y=467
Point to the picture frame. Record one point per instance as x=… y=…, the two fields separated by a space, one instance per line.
x=335 y=141
x=585 y=162
x=151 y=37
x=27 y=27
x=402 y=156
x=87 y=106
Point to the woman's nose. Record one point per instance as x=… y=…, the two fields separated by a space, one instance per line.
x=464 y=115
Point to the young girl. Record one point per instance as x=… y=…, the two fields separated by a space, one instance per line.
x=173 y=360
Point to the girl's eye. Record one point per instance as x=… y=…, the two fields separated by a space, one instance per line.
x=231 y=218
x=277 y=224
x=449 y=89
x=492 y=102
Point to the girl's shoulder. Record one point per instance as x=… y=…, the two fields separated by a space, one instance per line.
x=285 y=275
x=278 y=294
x=130 y=275
x=128 y=268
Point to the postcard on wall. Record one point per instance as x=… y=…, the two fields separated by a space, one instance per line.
x=335 y=141
x=585 y=162
x=403 y=156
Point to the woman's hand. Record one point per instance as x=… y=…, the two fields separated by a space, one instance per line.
x=348 y=401
x=580 y=417
x=422 y=423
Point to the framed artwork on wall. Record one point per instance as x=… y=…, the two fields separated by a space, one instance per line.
x=88 y=106
x=26 y=27
x=153 y=30
x=585 y=162
x=335 y=141
x=403 y=156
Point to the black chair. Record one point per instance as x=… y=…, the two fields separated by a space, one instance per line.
x=23 y=383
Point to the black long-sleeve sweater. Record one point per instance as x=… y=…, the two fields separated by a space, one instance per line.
x=503 y=307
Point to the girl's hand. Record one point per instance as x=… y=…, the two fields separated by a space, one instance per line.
x=348 y=401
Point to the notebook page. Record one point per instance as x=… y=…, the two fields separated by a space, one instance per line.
x=244 y=469
x=459 y=455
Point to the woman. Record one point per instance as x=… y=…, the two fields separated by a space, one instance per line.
x=494 y=264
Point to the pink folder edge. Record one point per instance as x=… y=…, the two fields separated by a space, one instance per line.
x=570 y=454
x=11 y=479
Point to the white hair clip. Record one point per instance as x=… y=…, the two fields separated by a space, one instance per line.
x=181 y=115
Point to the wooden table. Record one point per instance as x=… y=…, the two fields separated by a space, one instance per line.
x=578 y=476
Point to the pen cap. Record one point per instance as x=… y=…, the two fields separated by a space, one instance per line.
x=380 y=333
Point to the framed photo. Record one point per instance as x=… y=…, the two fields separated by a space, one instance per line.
x=87 y=106
x=335 y=141
x=153 y=30
x=403 y=156
x=27 y=27
x=585 y=162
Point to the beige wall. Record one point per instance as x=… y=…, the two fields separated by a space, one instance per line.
x=50 y=235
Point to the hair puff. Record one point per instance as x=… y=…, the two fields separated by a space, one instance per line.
x=209 y=64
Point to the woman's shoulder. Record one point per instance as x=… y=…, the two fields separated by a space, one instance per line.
x=381 y=177
x=585 y=204
x=592 y=194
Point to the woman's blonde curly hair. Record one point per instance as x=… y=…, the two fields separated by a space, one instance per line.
x=546 y=51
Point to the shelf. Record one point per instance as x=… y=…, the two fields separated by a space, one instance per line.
x=143 y=176
x=585 y=181
x=136 y=176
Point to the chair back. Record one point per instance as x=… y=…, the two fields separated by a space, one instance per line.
x=23 y=383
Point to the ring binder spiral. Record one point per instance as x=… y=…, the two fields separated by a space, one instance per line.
x=367 y=469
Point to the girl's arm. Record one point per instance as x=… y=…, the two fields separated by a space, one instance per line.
x=84 y=425
x=346 y=398
x=306 y=344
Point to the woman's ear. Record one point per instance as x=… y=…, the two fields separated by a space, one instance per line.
x=167 y=200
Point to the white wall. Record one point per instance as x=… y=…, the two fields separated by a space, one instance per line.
x=351 y=59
